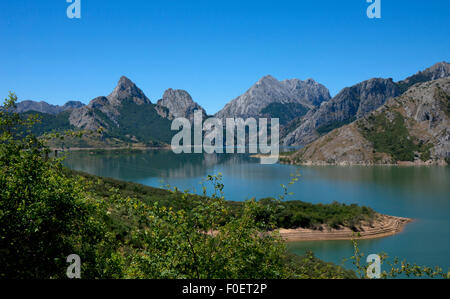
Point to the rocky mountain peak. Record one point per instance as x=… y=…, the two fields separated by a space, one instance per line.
x=422 y=134
x=312 y=93
x=44 y=107
x=72 y=105
x=179 y=103
x=178 y=95
x=349 y=104
x=268 y=90
x=127 y=90
x=268 y=79
x=437 y=71
x=124 y=81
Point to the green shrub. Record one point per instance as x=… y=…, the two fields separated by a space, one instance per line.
x=393 y=138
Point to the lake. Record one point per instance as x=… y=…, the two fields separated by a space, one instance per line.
x=422 y=193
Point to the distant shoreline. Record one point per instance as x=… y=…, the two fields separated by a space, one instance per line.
x=288 y=160
x=80 y=149
x=259 y=156
x=344 y=164
x=383 y=226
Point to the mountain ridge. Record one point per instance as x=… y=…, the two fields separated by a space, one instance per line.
x=44 y=107
x=268 y=90
x=180 y=104
x=354 y=102
x=305 y=108
x=413 y=128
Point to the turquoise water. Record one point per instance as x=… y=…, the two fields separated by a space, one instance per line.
x=422 y=193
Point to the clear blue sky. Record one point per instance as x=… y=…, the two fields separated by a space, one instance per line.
x=214 y=49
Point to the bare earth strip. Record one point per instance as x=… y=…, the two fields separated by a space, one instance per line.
x=383 y=226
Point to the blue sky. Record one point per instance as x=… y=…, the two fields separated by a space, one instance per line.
x=214 y=49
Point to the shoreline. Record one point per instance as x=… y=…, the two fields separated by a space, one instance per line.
x=80 y=149
x=346 y=164
x=383 y=226
x=261 y=156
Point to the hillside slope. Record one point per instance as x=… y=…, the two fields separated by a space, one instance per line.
x=270 y=95
x=411 y=129
x=353 y=103
x=44 y=107
x=125 y=117
x=180 y=104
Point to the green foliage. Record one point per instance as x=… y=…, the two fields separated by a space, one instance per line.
x=295 y=214
x=284 y=112
x=137 y=124
x=44 y=216
x=48 y=213
x=143 y=122
x=47 y=123
x=334 y=125
x=123 y=230
x=396 y=268
x=309 y=266
x=392 y=137
x=281 y=213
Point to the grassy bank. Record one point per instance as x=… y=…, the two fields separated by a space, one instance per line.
x=285 y=214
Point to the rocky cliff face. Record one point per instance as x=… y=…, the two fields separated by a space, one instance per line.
x=126 y=90
x=351 y=103
x=126 y=114
x=85 y=118
x=72 y=105
x=44 y=107
x=179 y=103
x=414 y=127
x=105 y=111
x=269 y=90
x=437 y=71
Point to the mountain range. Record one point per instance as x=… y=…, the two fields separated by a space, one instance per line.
x=44 y=107
x=305 y=109
x=272 y=98
x=413 y=128
x=353 y=103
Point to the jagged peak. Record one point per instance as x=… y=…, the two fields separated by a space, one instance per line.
x=125 y=81
x=44 y=107
x=440 y=69
x=267 y=79
x=73 y=104
x=179 y=103
x=439 y=65
x=182 y=92
x=127 y=90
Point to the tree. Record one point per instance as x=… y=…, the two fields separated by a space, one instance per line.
x=43 y=214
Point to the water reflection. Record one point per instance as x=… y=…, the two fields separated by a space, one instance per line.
x=421 y=193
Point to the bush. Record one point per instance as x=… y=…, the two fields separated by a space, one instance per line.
x=43 y=215
x=393 y=138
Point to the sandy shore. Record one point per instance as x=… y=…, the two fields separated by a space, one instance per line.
x=383 y=226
